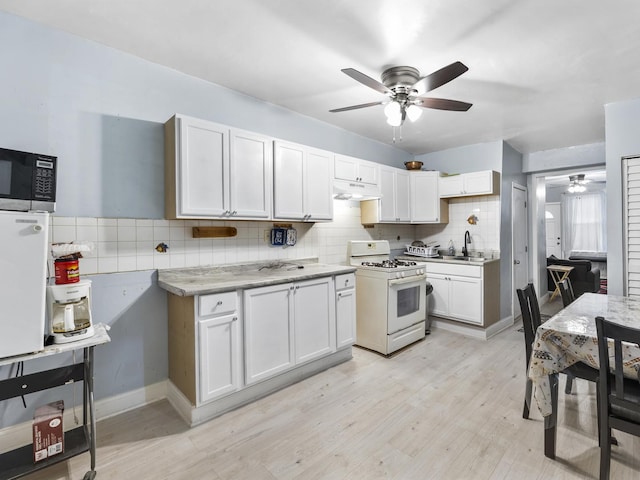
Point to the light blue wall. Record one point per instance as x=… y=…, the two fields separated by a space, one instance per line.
x=102 y=112
x=468 y=158
x=511 y=173
x=622 y=123
x=562 y=158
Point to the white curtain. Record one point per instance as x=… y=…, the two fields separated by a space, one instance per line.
x=584 y=222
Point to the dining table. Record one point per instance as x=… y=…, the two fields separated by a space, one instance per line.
x=569 y=337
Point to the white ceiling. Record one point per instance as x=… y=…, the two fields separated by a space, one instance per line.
x=540 y=71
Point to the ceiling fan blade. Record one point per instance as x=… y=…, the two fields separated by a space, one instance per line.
x=439 y=77
x=366 y=80
x=443 y=104
x=354 y=107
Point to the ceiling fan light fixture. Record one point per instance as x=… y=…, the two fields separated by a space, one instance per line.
x=395 y=121
x=414 y=112
x=577 y=183
x=392 y=109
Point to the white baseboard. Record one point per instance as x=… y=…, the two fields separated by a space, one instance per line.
x=470 y=330
x=21 y=434
x=193 y=415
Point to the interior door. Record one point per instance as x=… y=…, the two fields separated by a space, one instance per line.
x=553 y=224
x=519 y=245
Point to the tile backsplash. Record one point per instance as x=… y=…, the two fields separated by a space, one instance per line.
x=485 y=234
x=123 y=244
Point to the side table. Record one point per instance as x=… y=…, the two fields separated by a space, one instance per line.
x=558 y=273
x=19 y=462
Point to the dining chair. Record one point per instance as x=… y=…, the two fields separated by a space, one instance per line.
x=566 y=292
x=620 y=397
x=531 y=320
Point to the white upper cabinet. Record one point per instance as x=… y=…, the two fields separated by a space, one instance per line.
x=393 y=206
x=212 y=171
x=302 y=183
x=250 y=174
x=426 y=205
x=486 y=182
x=356 y=170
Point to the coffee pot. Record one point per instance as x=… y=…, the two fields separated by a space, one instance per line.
x=69 y=311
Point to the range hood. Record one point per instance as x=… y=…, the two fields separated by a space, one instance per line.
x=349 y=190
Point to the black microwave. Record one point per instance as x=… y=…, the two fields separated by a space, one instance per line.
x=27 y=181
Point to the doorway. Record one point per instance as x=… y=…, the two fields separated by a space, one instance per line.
x=519 y=244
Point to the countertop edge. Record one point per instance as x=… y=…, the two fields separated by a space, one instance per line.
x=443 y=260
x=178 y=287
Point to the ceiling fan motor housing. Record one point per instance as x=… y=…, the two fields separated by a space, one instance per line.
x=400 y=79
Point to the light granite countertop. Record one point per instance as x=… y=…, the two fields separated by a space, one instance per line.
x=446 y=260
x=191 y=281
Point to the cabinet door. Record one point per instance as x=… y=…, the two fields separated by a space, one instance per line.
x=345 y=168
x=318 y=185
x=268 y=320
x=202 y=165
x=315 y=323
x=250 y=175
x=289 y=181
x=439 y=298
x=478 y=183
x=466 y=299
x=387 y=212
x=346 y=318
x=425 y=201
x=368 y=172
x=220 y=356
x=402 y=196
x=451 y=186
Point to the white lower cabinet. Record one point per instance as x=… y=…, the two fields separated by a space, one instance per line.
x=345 y=310
x=465 y=293
x=268 y=329
x=227 y=349
x=456 y=297
x=457 y=292
x=220 y=356
x=287 y=325
x=205 y=346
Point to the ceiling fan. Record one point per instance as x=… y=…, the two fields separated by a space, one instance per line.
x=404 y=86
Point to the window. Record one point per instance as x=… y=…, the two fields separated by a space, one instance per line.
x=584 y=228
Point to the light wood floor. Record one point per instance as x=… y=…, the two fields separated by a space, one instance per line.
x=448 y=407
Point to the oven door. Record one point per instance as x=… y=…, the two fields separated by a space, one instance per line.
x=407 y=302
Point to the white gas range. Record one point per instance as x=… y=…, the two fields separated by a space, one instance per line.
x=390 y=297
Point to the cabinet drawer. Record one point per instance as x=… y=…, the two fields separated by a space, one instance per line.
x=217 y=304
x=346 y=280
x=454 y=269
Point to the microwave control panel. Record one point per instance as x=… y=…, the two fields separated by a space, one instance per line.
x=44 y=178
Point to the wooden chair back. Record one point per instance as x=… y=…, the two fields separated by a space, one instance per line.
x=619 y=397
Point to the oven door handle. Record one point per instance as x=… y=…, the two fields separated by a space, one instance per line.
x=411 y=279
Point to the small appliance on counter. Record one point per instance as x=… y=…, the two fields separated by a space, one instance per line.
x=69 y=311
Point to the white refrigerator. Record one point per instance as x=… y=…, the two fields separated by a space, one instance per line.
x=24 y=239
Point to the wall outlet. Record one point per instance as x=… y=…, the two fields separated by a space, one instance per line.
x=267 y=236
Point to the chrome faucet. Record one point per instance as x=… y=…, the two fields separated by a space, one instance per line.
x=467 y=239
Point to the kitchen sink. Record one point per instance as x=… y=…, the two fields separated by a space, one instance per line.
x=463 y=258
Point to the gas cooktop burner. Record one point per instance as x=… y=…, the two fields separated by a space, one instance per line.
x=389 y=264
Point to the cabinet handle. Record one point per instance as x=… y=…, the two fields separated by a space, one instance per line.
x=234 y=319
x=297 y=287
x=219 y=302
x=339 y=295
x=235 y=212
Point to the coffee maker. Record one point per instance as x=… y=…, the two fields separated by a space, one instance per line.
x=69 y=311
